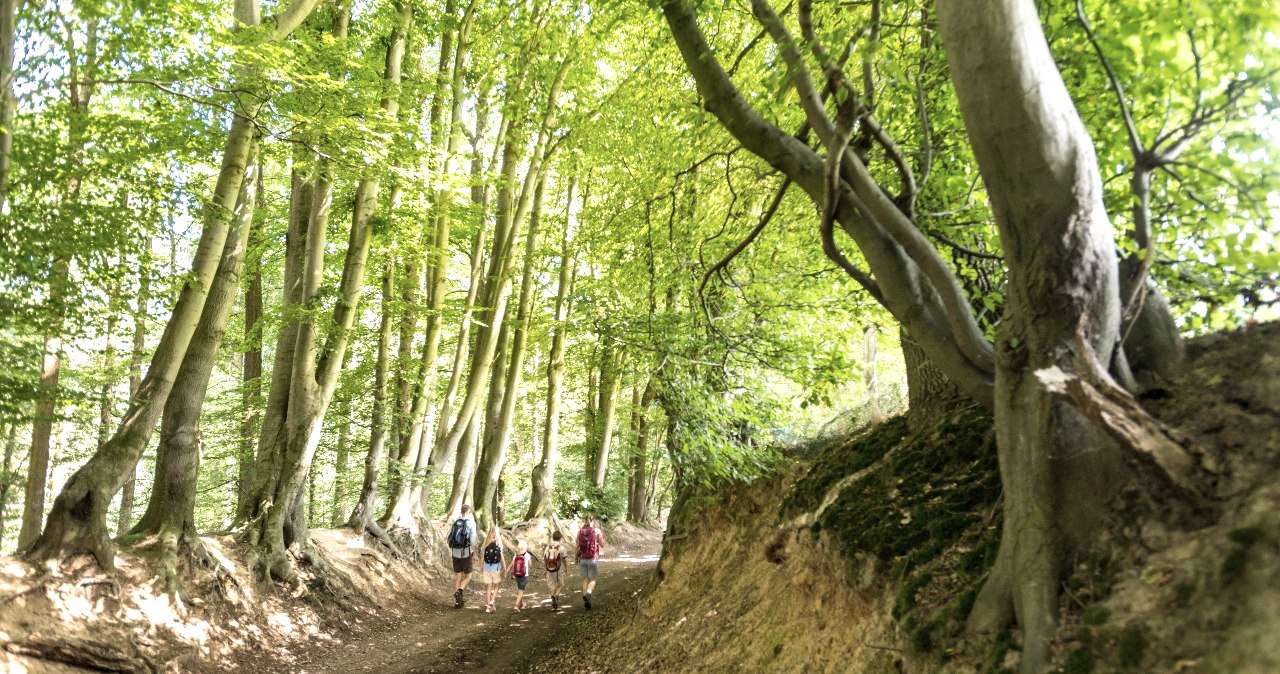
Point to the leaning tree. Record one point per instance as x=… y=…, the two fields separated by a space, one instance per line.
x=1062 y=304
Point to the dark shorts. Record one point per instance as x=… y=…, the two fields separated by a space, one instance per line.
x=462 y=564
x=521 y=582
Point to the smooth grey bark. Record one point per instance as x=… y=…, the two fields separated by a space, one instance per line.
x=610 y=383
x=170 y=513
x=641 y=478
x=543 y=478
x=77 y=522
x=1038 y=164
x=250 y=368
x=316 y=364
x=910 y=278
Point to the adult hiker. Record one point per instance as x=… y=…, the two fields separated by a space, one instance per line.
x=462 y=545
x=590 y=540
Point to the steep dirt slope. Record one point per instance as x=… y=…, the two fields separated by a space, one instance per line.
x=868 y=560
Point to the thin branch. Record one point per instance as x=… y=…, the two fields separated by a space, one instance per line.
x=965 y=249
x=742 y=245
x=1135 y=142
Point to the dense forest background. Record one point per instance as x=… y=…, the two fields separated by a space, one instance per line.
x=356 y=263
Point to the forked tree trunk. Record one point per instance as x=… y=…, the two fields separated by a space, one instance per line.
x=170 y=514
x=77 y=522
x=544 y=473
x=494 y=293
x=1038 y=165
x=316 y=365
x=446 y=143
x=610 y=383
x=638 y=501
x=495 y=455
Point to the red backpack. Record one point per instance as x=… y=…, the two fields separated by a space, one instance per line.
x=517 y=567
x=553 y=561
x=588 y=543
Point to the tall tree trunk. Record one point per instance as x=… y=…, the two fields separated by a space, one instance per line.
x=251 y=367
x=495 y=452
x=544 y=472
x=77 y=522
x=316 y=365
x=493 y=296
x=45 y=413
x=7 y=476
x=591 y=411
x=610 y=383
x=447 y=143
x=266 y=467
x=641 y=484
x=46 y=408
x=170 y=514
x=105 y=401
x=1037 y=162
x=485 y=466
x=8 y=105
x=341 y=458
x=362 y=517
x=124 y=521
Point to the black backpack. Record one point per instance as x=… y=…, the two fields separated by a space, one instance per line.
x=492 y=553
x=459 y=536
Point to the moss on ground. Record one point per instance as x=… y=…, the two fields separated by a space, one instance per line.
x=842 y=459
x=933 y=490
x=927 y=513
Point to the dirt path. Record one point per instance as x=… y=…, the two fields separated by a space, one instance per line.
x=434 y=638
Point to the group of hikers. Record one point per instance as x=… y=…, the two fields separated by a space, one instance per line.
x=495 y=566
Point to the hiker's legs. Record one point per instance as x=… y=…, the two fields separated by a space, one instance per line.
x=465 y=580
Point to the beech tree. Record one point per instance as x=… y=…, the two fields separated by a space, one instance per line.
x=77 y=522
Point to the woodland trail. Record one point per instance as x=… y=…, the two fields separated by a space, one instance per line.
x=433 y=637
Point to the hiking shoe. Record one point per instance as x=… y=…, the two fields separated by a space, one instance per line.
x=555 y=604
x=457 y=599
x=586 y=601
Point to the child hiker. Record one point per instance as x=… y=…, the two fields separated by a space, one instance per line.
x=553 y=555
x=519 y=569
x=492 y=570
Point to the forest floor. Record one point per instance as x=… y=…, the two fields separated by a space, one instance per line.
x=431 y=637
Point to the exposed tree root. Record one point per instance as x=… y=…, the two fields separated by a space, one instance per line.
x=1099 y=399
x=84 y=653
